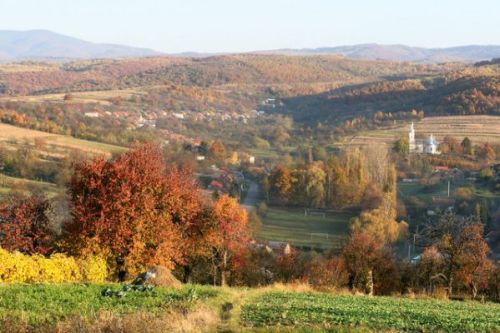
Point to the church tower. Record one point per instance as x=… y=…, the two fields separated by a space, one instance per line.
x=411 y=138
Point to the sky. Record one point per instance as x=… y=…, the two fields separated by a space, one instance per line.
x=174 y=26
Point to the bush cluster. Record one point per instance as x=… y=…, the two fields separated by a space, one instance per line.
x=16 y=267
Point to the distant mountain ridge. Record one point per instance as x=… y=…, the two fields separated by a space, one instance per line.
x=398 y=52
x=47 y=45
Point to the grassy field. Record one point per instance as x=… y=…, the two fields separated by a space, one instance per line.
x=313 y=230
x=377 y=313
x=8 y=183
x=100 y=97
x=25 y=67
x=9 y=133
x=48 y=304
x=426 y=193
x=83 y=308
x=477 y=128
x=263 y=153
x=49 y=147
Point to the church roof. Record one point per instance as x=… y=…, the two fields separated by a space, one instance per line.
x=431 y=140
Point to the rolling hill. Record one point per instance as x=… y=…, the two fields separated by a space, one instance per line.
x=464 y=92
x=327 y=89
x=44 y=44
x=248 y=69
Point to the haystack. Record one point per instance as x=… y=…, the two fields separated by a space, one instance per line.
x=158 y=276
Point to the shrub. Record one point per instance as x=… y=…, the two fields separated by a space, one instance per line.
x=494 y=285
x=93 y=269
x=16 y=267
x=56 y=269
x=328 y=273
x=261 y=143
x=486 y=173
x=464 y=193
x=262 y=208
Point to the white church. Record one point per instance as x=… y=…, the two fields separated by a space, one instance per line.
x=422 y=146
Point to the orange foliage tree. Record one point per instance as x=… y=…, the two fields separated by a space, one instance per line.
x=133 y=209
x=232 y=233
x=281 y=183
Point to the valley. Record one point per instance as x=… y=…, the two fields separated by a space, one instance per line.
x=250 y=192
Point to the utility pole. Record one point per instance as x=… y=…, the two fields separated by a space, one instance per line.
x=448 y=187
x=414 y=241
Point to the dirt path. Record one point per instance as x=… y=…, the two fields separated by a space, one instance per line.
x=252 y=197
x=230 y=311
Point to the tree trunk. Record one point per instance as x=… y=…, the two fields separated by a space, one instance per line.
x=369 y=283
x=121 y=271
x=223 y=277
x=474 y=290
x=450 y=286
x=215 y=271
x=188 y=278
x=351 y=281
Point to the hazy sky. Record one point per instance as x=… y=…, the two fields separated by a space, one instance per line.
x=236 y=25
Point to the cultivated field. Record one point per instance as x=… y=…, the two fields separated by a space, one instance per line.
x=477 y=128
x=333 y=312
x=70 y=307
x=90 y=308
x=316 y=230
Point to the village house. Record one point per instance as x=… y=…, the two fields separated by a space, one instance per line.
x=91 y=114
x=178 y=115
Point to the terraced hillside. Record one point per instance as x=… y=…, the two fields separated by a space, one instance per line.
x=477 y=128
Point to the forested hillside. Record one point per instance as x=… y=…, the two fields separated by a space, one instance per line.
x=464 y=92
x=37 y=78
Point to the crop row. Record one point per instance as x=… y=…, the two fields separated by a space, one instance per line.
x=378 y=313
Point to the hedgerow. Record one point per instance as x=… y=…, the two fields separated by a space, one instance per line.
x=16 y=267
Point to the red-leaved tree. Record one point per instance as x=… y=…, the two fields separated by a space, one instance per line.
x=24 y=224
x=370 y=264
x=133 y=209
